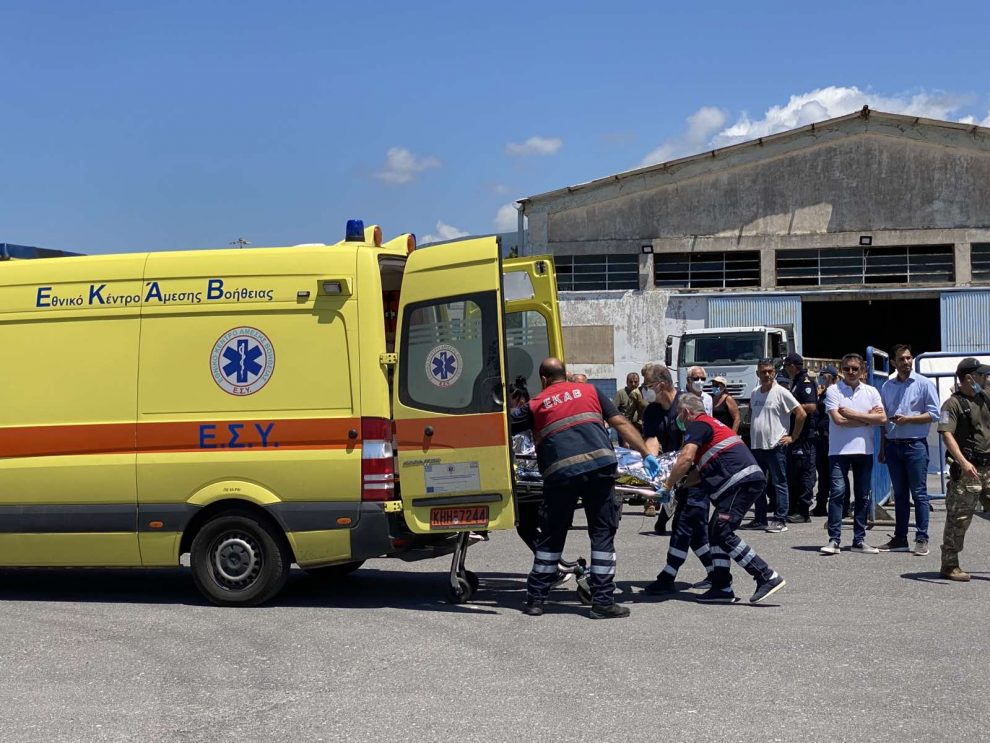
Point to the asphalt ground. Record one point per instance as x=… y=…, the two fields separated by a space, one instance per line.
x=855 y=647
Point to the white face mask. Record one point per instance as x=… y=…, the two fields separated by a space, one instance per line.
x=696 y=385
x=649 y=395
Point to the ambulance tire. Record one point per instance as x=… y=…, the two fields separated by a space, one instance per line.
x=333 y=572
x=238 y=560
x=462 y=594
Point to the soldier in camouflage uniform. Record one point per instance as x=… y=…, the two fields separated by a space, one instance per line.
x=965 y=428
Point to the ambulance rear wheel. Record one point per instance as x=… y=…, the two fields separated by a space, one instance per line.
x=460 y=594
x=238 y=560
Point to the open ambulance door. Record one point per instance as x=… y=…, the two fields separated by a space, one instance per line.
x=532 y=317
x=451 y=424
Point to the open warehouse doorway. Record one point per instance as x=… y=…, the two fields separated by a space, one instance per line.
x=833 y=327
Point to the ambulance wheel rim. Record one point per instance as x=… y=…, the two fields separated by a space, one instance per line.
x=236 y=560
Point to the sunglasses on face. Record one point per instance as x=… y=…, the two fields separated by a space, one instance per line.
x=698 y=379
x=850 y=368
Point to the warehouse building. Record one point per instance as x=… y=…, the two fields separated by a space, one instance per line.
x=868 y=229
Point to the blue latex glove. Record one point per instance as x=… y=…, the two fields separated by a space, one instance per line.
x=664 y=496
x=652 y=465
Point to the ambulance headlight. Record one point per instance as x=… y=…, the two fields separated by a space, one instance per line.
x=355 y=231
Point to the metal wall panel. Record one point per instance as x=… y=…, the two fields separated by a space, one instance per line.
x=772 y=309
x=966 y=321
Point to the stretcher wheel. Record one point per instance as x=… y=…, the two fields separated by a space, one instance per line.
x=584 y=593
x=462 y=593
x=473 y=580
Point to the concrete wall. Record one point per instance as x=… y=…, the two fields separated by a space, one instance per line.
x=640 y=324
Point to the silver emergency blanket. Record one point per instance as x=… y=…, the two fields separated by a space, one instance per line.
x=630 y=470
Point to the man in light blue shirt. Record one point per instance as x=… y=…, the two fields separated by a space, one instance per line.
x=911 y=403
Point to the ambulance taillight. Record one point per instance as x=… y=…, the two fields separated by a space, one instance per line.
x=377 y=464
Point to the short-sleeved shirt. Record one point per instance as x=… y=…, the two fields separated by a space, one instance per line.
x=630 y=404
x=662 y=425
x=954 y=421
x=806 y=393
x=770 y=417
x=851 y=439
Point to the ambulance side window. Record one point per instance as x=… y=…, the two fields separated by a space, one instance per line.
x=526 y=345
x=449 y=354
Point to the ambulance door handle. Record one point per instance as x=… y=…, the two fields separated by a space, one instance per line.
x=428 y=430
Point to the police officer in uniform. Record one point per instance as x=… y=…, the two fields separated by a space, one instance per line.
x=577 y=461
x=732 y=480
x=965 y=428
x=802 y=454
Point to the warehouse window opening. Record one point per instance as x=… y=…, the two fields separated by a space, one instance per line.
x=980 y=262
x=712 y=270
x=899 y=265
x=577 y=273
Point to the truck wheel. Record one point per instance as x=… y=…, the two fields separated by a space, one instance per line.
x=333 y=572
x=238 y=560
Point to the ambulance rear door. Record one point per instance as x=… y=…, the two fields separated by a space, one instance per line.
x=451 y=425
x=532 y=317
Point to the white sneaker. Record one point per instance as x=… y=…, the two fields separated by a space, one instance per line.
x=832 y=548
x=865 y=549
x=921 y=548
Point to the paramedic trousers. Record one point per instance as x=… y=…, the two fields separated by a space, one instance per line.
x=595 y=489
x=689 y=531
x=730 y=508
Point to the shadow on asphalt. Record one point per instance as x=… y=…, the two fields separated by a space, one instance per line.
x=936 y=577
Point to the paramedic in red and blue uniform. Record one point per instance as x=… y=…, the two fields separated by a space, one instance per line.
x=577 y=461
x=732 y=479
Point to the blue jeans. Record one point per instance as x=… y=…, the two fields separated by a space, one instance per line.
x=907 y=462
x=773 y=462
x=862 y=474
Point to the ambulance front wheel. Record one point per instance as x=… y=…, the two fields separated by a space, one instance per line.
x=238 y=560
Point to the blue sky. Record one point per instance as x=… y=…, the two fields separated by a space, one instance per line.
x=155 y=126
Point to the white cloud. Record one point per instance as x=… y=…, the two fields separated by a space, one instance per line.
x=444 y=232
x=701 y=125
x=401 y=166
x=534 y=146
x=706 y=128
x=507 y=219
x=827 y=103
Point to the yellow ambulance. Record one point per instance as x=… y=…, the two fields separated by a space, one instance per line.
x=253 y=408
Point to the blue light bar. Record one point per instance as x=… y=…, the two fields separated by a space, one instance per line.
x=355 y=231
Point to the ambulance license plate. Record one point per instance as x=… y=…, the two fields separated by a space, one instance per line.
x=454 y=518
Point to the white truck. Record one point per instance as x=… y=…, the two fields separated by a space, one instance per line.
x=732 y=353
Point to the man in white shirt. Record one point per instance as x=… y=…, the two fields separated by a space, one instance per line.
x=854 y=408
x=772 y=406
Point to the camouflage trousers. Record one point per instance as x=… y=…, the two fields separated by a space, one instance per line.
x=961 y=501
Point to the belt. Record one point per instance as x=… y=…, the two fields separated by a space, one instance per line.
x=904 y=441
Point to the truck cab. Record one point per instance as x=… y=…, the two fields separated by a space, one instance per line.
x=730 y=352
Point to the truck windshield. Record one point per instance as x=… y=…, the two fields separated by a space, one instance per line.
x=720 y=349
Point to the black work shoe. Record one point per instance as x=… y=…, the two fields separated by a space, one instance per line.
x=533 y=608
x=797 y=518
x=660 y=527
x=660 y=587
x=613 y=611
x=767 y=588
x=718 y=596
x=895 y=545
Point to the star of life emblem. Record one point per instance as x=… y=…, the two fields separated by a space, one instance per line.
x=242 y=361
x=444 y=365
